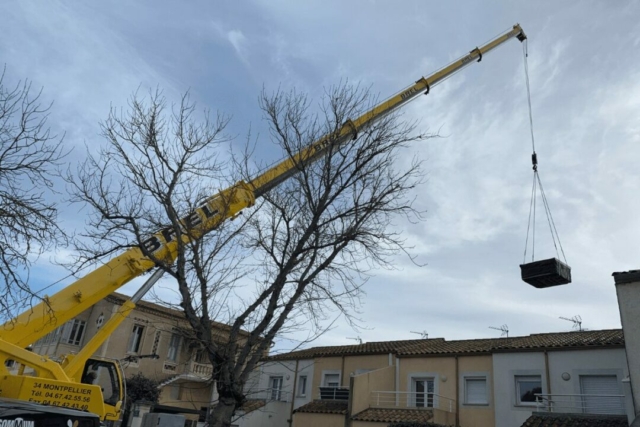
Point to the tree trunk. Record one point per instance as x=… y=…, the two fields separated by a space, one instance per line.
x=222 y=413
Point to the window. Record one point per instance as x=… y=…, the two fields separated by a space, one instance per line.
x=423 y=392
x=202 y=356
x=331 y=380
x=526 y=389
x=604 y=389
x=174 y=347
x=302 y=385
x=136 y=339
x=275 y=384
x=73 y=332
x=475 y=391
x=104 y=374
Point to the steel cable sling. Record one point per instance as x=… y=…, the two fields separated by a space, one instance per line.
x=537 y=184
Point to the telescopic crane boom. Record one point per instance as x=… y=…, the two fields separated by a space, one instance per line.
x=37 y=322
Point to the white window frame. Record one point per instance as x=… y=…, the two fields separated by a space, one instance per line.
x=302 y=385
x=275 y=387
x=428 y=397
x=469 y=378
x=174 y=347
x=134 y=344
x=74 y=332
x=325 y=374
x=412 y=377
x=527 y=378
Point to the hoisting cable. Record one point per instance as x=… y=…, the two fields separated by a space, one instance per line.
x=531 y=225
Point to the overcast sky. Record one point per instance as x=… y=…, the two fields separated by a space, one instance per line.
x=584 y=67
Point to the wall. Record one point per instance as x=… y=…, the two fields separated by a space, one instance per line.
x=325 y=364
x=274 y=413
x=368 y=424
x=277 y=413
x=363 y=384
x=628 y=292
x=573 y=362
x=302 y=419
x=475 y=415
x=577 y=362
x=354 y=363
x=505 y=367
x=443 y=369
x=305 y=367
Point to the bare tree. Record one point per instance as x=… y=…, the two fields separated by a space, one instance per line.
x=29 y=157
x=303 y=253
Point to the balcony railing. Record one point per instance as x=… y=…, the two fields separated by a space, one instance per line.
x=608 y=404
x=201 y=369
x=412 y=400
x=269 y=395
x=333 y=393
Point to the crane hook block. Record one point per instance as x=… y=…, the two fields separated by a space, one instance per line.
x=534 y=161
x=546 y=273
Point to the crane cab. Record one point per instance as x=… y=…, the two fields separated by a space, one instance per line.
x=107 y=374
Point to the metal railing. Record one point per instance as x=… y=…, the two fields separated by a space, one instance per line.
x=333 y=393
x=269 y=395
x=413 y=400
x=609 y=404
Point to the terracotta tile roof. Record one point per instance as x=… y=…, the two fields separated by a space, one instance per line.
x=380 y=415
x=448 y=347
x=439 y=346
x=252 y=404
x=325 y=407
x=380 y=347
x=604 y=338
x=575 y=420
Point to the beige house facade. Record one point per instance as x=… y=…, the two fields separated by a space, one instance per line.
x=470 y=383
x=152 y=341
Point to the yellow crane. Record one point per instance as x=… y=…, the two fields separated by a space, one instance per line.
x=66 y=384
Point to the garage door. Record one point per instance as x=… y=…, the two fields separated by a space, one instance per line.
x=605 y=388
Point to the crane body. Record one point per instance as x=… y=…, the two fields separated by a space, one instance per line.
x=63 y=384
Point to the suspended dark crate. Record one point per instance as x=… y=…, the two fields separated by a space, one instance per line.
x=546 y=273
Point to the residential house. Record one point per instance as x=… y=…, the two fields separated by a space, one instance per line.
x=151 y=341
x=481 y=382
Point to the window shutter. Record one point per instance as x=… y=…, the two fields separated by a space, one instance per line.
x=66 y=331
x=601 y=385
x=476 y=389
x=332 y=380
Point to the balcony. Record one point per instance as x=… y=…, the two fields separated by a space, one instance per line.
x=201 y=369
x=333 y=393
x=269 y=395
x=601 y=404
x=411 y=400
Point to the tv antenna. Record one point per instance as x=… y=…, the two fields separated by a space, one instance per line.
x=423 y=335
x=504 y=329
x=577 y=322
x=356 y=339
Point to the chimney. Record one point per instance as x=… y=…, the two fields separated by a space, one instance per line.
x=628 y=292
